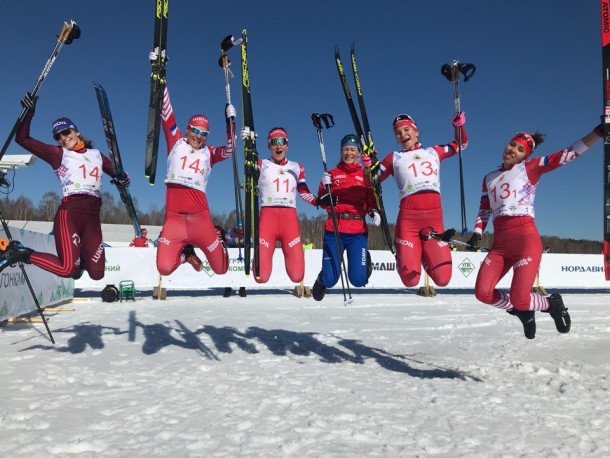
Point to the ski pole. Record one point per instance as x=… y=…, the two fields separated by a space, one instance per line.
x=7 y=231
x=446 y=236
x=328 y=121
x=452 y=73
x=68 y=33
x=227 y=43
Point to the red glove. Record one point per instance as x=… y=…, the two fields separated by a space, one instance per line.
x=459 y=119
x=366 y=160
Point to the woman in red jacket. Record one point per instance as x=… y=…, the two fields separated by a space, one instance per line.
x=354 y=200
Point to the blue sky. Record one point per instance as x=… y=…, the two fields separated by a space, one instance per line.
x=538 y=68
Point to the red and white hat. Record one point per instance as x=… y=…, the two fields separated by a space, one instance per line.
x=200 y=121
x=403 y=120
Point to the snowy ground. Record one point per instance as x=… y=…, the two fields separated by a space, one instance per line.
x=272 y=375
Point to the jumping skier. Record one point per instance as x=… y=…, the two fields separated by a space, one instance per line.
x=278 y=183
x=76 y=227
x=416 y=170
x=354 y=200
x=187 y=218
x=508 y=197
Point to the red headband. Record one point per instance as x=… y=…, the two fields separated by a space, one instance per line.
x=277 y=133
x=525 y=140
x=200 y=121
x=404 y=122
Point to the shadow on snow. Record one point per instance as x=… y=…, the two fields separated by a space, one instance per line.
x=280 y=342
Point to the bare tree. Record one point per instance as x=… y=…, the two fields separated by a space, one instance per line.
x=47 y=207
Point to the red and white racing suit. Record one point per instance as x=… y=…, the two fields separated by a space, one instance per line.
x=508 y=196
x=277 y=187
x=417 y=174
x=187 y=218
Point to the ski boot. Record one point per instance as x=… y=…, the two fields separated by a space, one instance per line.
x=15 y=252
x=319 y=290
x=227 y=292
x=242 y=291
x=528 y=320
x=559 y=313
x=189 y=256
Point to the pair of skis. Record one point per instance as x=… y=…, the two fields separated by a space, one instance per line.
x=605 y=25
x=363 y=131
x=251 y=170
x=115 y=157
x=157 y=88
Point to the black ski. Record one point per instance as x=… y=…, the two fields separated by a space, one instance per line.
x=363 y=131
x=157 y=87
x=605 y=23
x=69 y=33
x=115 y=156
x=227 y=43
x=251 y=170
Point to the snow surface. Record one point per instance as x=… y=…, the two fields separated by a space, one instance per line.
x=392 y=374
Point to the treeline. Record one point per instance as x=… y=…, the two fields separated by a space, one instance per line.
x=312 y=228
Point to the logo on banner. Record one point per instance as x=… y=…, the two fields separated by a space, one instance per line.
x=466 y=267
x=384 y=265
x=207 y=268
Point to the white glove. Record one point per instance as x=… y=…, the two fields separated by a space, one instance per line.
x=327 y=179
x=375 y=217
x=153 y=55
x=230 y=112
x=247 y=133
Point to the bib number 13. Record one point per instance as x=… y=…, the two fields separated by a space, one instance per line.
x=504 y=192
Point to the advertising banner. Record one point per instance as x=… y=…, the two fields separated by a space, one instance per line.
x=15 y=296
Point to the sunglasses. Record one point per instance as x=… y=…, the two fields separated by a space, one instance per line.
x=278 y=141
x=197 y=131
x=62 y=133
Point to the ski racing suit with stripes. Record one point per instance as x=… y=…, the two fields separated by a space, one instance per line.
x=417 y=174
x=187 y=216
x=76 y=227
x=278 y=184
x=508 y=196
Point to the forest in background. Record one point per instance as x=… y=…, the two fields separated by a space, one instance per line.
x=113 y=212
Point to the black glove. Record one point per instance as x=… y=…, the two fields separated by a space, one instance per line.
x=121 y=182
x=29 y=102
x=326 y=200
x=447 y=235
x=599 y=130
x=473 y=243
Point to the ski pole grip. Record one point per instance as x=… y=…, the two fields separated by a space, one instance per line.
x=328 y=120
x=315 y=117
x=69 y=33
x=450 y=71
x=467 y=70
x=227 y=43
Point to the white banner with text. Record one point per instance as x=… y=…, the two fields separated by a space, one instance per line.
x=138 y=265
x=15 y=296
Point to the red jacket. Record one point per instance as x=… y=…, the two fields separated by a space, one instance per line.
x=355 y=197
